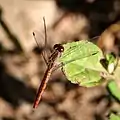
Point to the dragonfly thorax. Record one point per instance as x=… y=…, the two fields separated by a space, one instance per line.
x=58 y=47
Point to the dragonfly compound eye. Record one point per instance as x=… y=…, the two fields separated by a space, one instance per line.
x=59 y=47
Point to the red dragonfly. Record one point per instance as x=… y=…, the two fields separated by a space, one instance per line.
x=57 y=50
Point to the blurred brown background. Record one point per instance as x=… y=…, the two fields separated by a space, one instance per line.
x=22 y=67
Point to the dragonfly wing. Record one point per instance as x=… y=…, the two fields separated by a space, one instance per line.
x=67 y=62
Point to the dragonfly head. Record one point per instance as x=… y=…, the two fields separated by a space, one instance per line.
x=58 y=47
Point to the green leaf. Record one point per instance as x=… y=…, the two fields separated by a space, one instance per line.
x=114 y=89
x=81 y=62
x=114 y=117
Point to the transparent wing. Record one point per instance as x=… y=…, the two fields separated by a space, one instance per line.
x=43 y=37
x=43 y=51
x=61 y=64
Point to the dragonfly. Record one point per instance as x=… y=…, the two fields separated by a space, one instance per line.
x=58 y=49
